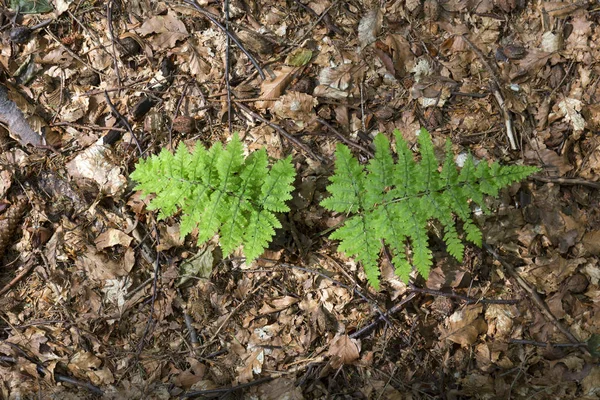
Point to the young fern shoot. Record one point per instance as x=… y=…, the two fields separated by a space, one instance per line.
x=220 y=191
x=390 y=203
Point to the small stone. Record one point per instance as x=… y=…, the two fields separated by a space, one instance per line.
x=184 y=124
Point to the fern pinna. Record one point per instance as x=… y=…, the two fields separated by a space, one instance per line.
x=219 y=191
x=390 y=203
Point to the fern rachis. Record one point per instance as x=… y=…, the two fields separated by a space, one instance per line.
x=392 y=202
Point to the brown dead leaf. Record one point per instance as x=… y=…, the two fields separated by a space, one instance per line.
x=274 y=305
x=112 y=237
x=94 y=164
x=98 y=266
x=369 y=27
x=343 y=351
x=168 y=28
x=271 y=89
x=299 y=107
x=465 y=325
x=252 y=365
x=280 y=388
x=169 y=237
x=591 y=242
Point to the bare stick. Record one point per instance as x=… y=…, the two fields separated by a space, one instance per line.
x=397 y=307
x=533 y=294
x=282 y=132
x=28 y=267
x=344 y=138
x=495 y=87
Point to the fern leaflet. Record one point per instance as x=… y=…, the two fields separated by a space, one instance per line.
x=390 y=203
x=219 y=191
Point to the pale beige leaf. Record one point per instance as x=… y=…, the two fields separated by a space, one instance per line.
x=112 y=237
x=296 y=106
x=369 y=27
x=271 y=89
x=343 y=350
x=168 y=30
x=571 y=108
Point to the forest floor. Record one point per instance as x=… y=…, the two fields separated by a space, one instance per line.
x=100 y=299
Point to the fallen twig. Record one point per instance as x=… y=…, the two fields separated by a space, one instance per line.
x=222 y=392
x=495 y=87
x=567 y=181
x=397 y=307
x=345 y=139
x=28 y=267
x=12 y=116
x=467 y=299
x=533 y=294
x=282 y=132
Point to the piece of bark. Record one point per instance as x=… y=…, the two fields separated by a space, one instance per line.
x=16 y=122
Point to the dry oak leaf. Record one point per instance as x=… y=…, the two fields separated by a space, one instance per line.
x=369 y=27
x=112 y=237
x=168 y=28
x=271 y=89
x=343 y=351
x=464 y=326
x=296 y=106
x=278 y=304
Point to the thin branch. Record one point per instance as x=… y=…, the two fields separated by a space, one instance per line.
x=532 y=293
x=495 y=87
x=123 y=121
x=282 y=131
x=224 y=391
x=344 y=138
x=467 y=299
x=397 y=307
x=567 y=181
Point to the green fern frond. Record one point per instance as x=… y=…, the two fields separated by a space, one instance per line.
x=390 y=203
x=219 y=191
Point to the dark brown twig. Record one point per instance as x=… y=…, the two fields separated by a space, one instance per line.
x=345 y=139
x=109 y=6
x=495 y=87
x=567 y=181
x=397 y=307
x=123 y=121
x=282 y=131
x=28 y=267
x=467 y=299
x=338 y=283
x=212 y=19
x=542 y=344
x=153 y=298
x=532 y=294
x=43 y=371
x=227 y=62
x=224 y=391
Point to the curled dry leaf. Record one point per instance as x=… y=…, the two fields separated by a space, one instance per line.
x=271 y=89
x=343 y=351
x=370 y=27
x=93 y=164
x=168 y=28
x=112 y=237
x=296 y=106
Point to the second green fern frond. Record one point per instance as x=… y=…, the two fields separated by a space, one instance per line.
x=219 y=191
x=391 y=202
